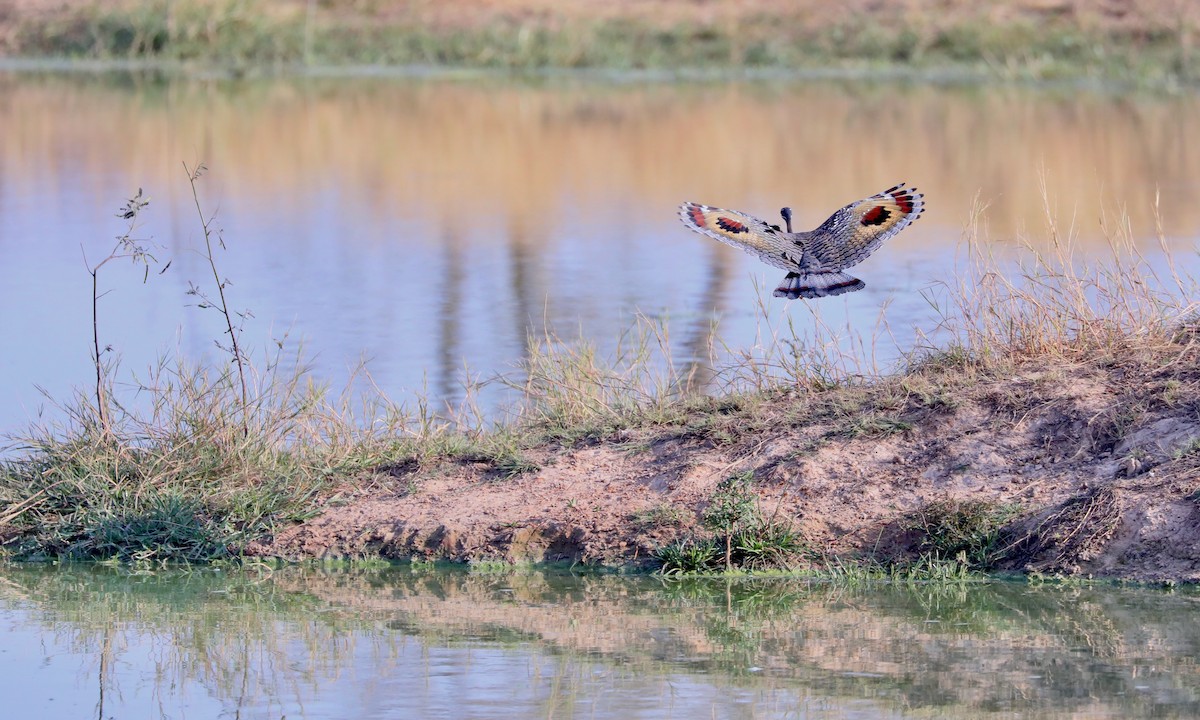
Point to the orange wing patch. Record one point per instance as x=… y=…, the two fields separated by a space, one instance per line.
x=877 y=215
x=889 y=207
x=722 y=224
x=744 y=232
x=731 y=225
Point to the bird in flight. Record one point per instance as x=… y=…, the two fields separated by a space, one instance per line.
x=814 y=259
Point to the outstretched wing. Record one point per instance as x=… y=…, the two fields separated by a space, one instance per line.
x=746 y=232
x=857 y=230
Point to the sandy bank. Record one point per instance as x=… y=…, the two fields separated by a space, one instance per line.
x=1100 y=457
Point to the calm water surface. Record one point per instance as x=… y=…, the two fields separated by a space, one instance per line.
x=427 y=226
x=403 y=642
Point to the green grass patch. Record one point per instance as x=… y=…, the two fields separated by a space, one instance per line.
x=241 y=34
x=968 y=532
x=742 y=538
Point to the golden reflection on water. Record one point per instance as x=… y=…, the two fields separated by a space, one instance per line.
x=388 y=640
x=514 y=159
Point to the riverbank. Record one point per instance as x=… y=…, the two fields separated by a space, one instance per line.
x=1079 y=466
x=1140 y=43
x=1051 y=431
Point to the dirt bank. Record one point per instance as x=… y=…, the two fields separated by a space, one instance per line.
x=1100 y=455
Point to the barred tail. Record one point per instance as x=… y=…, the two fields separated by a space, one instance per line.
x=815 y=285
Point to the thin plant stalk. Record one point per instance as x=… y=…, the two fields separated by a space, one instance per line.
x=101 y=399
x=126 y=247
x=234 y=348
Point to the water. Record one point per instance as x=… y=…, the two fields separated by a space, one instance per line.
x=412 y=642
x=428 y=225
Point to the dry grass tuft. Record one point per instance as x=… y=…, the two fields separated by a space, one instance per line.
x=1073 y=532
x=1050 y=300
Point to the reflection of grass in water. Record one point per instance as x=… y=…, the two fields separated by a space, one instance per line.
x=914 y=644
x=213 y=627
x=245 y=637
x=744 y=621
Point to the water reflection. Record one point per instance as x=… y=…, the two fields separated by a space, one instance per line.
x=429 y=225
x=410 y=642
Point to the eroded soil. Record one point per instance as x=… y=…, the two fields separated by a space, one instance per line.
x=1103 y=458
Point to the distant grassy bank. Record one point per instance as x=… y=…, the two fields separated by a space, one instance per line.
x=1143 y=44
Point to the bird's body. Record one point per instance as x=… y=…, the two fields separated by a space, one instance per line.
x=814 y=259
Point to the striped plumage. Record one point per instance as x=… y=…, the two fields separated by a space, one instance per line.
x=815 y=259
